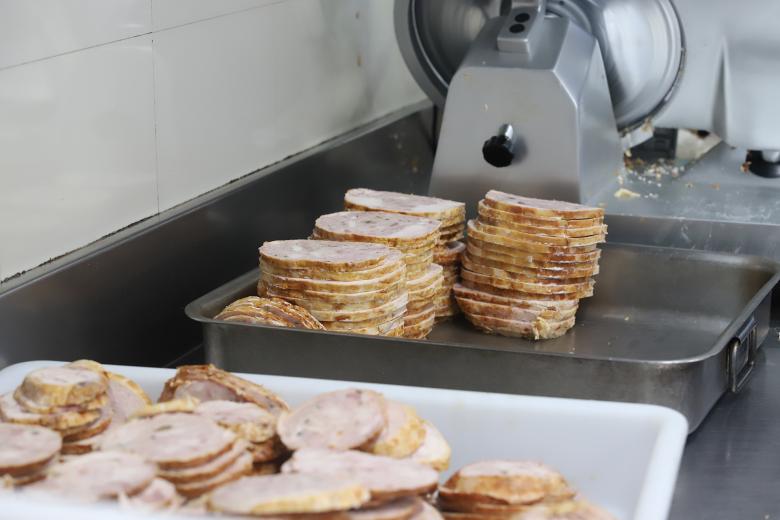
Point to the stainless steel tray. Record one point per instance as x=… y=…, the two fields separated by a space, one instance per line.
x=666 y=326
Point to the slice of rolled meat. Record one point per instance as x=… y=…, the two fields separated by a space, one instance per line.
x=247 y=420
x=237 y=469
x=514 y=482
x=434 y=451
x=267 y=451
x=11 y=411
x=398 y=509
x=160 y=495
x=339 y=420
x=288 y=494
x=125 y=397
x=63 y=386
x=384 y=477
x=181 y=405
x=403 y=434
x=96 y=427
x=24 y=448
x=208 y=383
x=427 y=512
x=33 y=407
x=99 y=475
x=208 y=470
x=174 y=440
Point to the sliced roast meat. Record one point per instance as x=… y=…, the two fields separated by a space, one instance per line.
x=96 y=427
x=125 y=397
x=11 y=411
x=63 y=386
x=399 y=509
x=540 y=208
x=393 y=202
x=181 y=405
x=267 y=451
x=159 y=495
x=208 y=383
x=319 y=254
x=207 y=470
x=427 y=512
x=241 y=466
x=247 y=420
x=288 y=494
x=384 y=477
x=33 y=407
x=402 y=435
x=100 y=475
x=370 y=226
x=173 y=440
x=507 y=481
x=434 y=451
x=339 y=420
x=25 y=448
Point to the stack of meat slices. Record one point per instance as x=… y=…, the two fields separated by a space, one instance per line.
x=327 y=475
x=347 y=286
x=269 y=311
x=451 y=214
x=108 y=475
x=80 y=401
x=527 y=264
x=254 y=425
x=415 y=237
x=26 y=452
x=247 y=409
x=192 y=452
x=355 y=419
x=448 y=257
x=520 y=490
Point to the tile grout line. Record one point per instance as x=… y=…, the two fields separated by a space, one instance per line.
x=152 y=32
x=154 y=111
x=74 y=51
x=154 y=124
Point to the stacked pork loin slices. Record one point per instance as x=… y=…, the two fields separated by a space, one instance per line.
x=527 y=264
x=109 y=475
x=521 y=490
x=355 y=454
x=248 y=410
x=448 y=256
x=269 y=311
x=415 y=237
x=452 y=216
x=209 y=428
x=26 y=451
x=80 y=401
x=347 y=286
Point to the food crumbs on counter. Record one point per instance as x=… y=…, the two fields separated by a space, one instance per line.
x=716 y=186
x=745 y=167
x=624 y=193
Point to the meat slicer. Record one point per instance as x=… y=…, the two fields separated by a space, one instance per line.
x=544 y=98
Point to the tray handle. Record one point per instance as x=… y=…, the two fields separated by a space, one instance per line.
x=742 y=355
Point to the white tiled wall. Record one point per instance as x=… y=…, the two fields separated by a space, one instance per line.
x=113 y=111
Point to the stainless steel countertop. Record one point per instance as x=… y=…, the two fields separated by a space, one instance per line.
x=731 y=466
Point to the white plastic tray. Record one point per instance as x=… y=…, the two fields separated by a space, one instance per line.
x=624 y=457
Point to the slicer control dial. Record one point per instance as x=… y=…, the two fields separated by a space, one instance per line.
x=499 y=150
